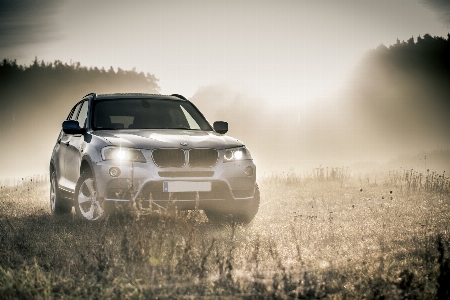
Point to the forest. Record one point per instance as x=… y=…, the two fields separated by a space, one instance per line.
x=35 y=99
x=404 y=89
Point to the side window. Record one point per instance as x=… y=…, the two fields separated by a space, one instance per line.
x=83 y=114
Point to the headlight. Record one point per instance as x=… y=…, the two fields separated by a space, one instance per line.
x=122 y=154
x=234 y=154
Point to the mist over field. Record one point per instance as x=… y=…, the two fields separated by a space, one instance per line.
x=36 y=99
x=394 y=103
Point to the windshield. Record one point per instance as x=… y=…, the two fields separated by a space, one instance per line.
x=147 y=114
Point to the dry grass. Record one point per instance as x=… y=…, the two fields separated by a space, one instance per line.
x=322 y=235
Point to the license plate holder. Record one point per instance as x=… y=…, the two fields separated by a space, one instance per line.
x=186 y=186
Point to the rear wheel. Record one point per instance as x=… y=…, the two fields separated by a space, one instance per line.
x=58 y=205
x=243 y=214
x=87 y=206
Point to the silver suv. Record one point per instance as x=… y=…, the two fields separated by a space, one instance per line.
x=149 y=151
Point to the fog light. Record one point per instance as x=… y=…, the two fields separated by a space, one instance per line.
x=249 y=171
x=114 y=171
x=228 y=154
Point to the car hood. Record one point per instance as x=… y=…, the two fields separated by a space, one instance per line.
x=167 y=138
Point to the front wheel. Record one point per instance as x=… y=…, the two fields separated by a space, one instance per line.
x=242 y=214
x=87 y=206
x=249 y=210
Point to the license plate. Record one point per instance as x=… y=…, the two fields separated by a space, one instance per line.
x=186 y=186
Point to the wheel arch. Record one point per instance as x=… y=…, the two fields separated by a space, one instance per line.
x=51 y=167
x=86 y=165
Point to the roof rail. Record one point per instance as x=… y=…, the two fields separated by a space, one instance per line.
x=179 y=96
x=93 y=94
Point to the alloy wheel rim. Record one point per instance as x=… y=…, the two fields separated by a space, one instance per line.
x=89 y=206
x=52 y=194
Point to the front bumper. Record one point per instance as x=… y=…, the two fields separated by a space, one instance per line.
x=144 y=183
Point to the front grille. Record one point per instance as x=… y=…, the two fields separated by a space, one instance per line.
x=165 y=158
x=198 y=158
x=203 y=158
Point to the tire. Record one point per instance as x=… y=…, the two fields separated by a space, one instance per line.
x=87 y=206
x=242 y=215
x=218 y=218
x=58 y=205
x=251 y=208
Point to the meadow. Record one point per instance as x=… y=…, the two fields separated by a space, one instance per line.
x=329 y=234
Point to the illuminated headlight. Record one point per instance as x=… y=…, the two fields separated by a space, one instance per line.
x=122 y=154
x=234 y=154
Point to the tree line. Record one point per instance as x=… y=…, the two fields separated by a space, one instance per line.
x=400 y=93
x=59 y=85
x=428 y=54
x=36 y=98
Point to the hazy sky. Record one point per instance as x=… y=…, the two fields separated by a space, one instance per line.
x=284 y=50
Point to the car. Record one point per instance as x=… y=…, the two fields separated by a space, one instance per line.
x=148 y=152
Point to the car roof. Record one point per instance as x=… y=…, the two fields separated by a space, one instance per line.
x=137 y=96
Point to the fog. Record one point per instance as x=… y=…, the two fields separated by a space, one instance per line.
x=393 y=109
x=291 y=137
x=394 y=103
x=392 y=106
x=36 y=99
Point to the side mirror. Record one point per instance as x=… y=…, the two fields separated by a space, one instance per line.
x=72 y=127
x=220 y=127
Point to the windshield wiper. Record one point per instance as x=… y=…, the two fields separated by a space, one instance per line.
x=180 y=127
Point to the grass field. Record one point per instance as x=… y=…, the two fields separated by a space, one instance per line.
x=322 y=235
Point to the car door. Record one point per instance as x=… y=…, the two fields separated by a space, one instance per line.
x=61 y=152
x=74 y=149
